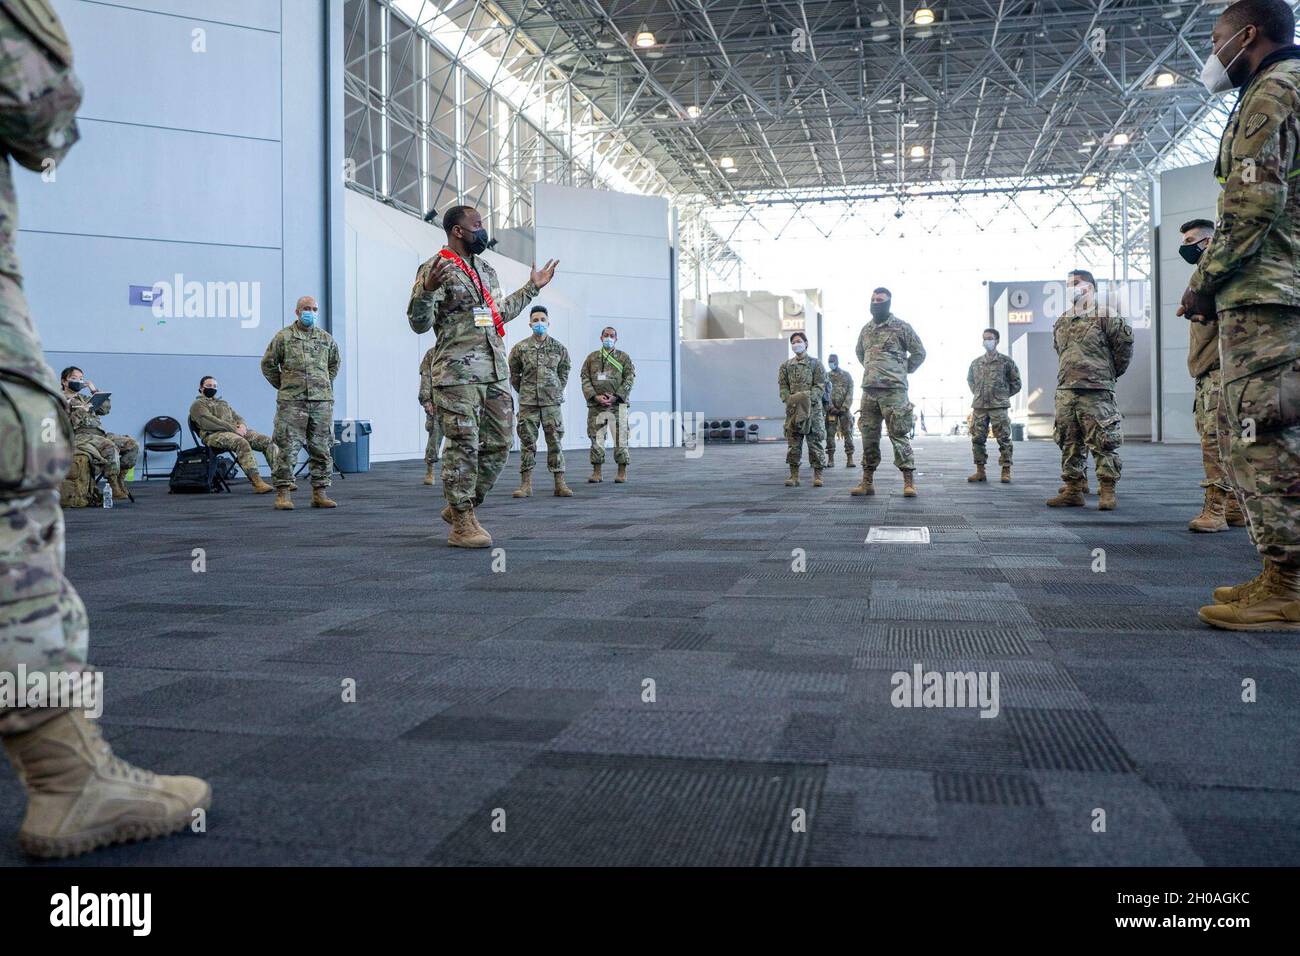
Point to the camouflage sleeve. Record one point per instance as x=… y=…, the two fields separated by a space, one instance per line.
x=205 y=422
x=970 y=377
x=516 y=367
x=564 y=367
x=1013 y=378
x=426 y=380
x=514 y=303
x=271 y=362
x=584 y=376
x=861 y=350
x=1120 y=337
x=629 y=376
x=1255 y=193
x=423 y=306
x=783 y=383
x=915 y=351
x=819 y=378
x=39 y=94
x=334 y=359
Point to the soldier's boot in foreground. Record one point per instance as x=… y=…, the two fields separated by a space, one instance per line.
x=793 y=480
x=848 y=463
x=867 y=485
x=1232 y=512
x=525 y=489
x=595 y=475
x=449 y=514
x=1106 y=497
x=817 y=477
x=909 y=487
x=621 y=476
x=260 y=487
x=321 y=500
x=1084 y=487
x=561 y=489
x=1239 y=592
x=1006 y=474
x=80 y=797
x=466 y=532
x=428 y=474
x=1212 y=516
x=1070 y=496
x=1273 y=605
x=119 y=488
x=979 y=475
x=282 y=500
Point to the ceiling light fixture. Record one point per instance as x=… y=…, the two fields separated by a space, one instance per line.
x=1165 y=80
x=924 y=17
x=693 y=111
x=644 y=38
x=917 y=152
x=1120 y=139
x=726 y=162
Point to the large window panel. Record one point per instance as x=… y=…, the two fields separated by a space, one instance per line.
x=403 y=113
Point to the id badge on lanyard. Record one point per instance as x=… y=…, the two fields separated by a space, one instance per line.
x=482 y=317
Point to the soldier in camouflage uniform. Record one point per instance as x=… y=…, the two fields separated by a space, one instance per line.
x=112 y=454
x=889 y=351
x=539 y=371
x=224 y=429
x=301 y=362
x=80 y=796
x=432 y=424
x=993 y=378
x=1221 y=509
x=607 y=377
x=839 y=412
x=802 y=383
x=1094 y=346
x=458 y=295
x=1248 y=277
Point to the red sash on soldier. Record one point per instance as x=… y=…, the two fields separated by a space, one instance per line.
x=487 y=296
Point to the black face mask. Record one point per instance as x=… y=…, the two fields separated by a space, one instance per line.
x=880 y=310
x=478 y=243
x=1191 y=253
x=76 y=386
x=210 y=392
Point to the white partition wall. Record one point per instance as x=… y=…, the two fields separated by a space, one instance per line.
x=615 y=269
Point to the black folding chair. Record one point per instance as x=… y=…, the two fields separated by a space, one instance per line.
x=226 y=463
x=161 y=434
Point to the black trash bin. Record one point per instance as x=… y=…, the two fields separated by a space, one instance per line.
x=1017 y=431
x=352 y=453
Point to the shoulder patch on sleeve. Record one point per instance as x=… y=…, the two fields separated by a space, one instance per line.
x=1253 y=123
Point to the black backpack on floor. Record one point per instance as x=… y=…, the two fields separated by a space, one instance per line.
x=200 y=470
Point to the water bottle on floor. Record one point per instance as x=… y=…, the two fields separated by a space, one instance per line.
x=106 y=492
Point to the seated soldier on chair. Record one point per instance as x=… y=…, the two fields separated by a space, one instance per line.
x=110 y=454
x=222 y=429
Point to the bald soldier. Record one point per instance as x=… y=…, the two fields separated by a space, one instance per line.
x=457 y=294
x=301 y=363
x=607 y=376
x=79 y=795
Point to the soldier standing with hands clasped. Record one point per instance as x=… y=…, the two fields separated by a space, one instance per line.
x=993 y=378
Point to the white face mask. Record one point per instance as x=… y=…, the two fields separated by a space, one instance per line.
x=990 y=344
x=799 y=348
x=1214 y=74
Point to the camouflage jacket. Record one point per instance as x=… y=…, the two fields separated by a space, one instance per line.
x=301 y=364
x=889 y=351
x=426 y=377
x=464 y=354
x=85 y=420
x=211 y=415
x=841 y=391
x=1202 y=347
x=803 y=373
x=993 y=378
x=539 y=371
x=1094 y=347
x=39 y=97
x=1254 y=257
x=601 y=376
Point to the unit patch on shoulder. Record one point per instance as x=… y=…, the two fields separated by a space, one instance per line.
x=1254 y=123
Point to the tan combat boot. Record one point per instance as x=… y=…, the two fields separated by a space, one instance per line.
x=1239 y=592
x=449 y=514
x=867 y=485
x=848 y=460
x=119 y=488
x=817 y=477
x=979 y=475
x=1006 y=474
x=428 y=474
x=1212 y=517
x=793 y=480
x=909 y=488
x=1070 y=496
x=466 y=532
x=321 y=500
x=595 y=475
x=80 y=797
x=1106 y=497
x=1232 y=512
x=282 y=500
x=621 y=476
x=561 y=489
x=1274 y=605
x=525 y=489
x=260 y=487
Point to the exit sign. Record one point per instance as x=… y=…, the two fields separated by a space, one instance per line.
x=1025 y=317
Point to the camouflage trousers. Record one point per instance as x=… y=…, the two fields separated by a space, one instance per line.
x=110 y=454
x=611 y=421
x=43 y=624
x=549 y=419
x=476 y=421
x=1205 y=410
x=242 y=447
x=890 y=407
x=1087 y=419
x=434 y=444
x=1262 y=413
x=981 y=420
x=815 y=436
x=841 y=424
x=299 y=422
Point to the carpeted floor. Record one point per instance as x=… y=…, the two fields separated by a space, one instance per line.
x=520 y=695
